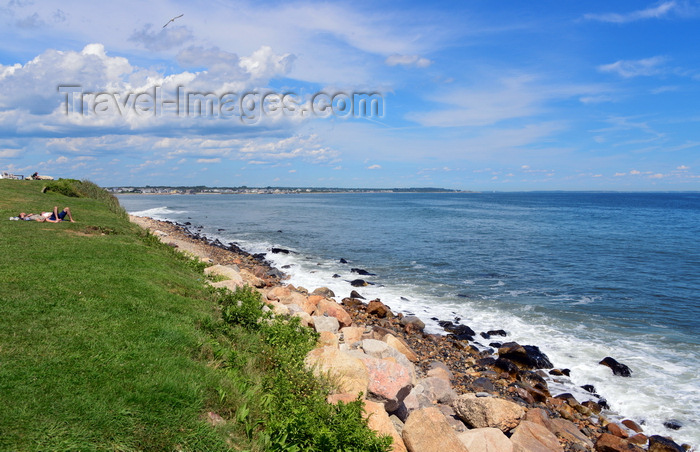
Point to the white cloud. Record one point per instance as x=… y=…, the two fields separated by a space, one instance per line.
x=635 y=172
x=635 y=68
x=9 y=153
x=683 y=168
x=407 y=60
x=498 y=99
x=656 y=176
x=31 y=103
x=264 y=64
x=654 y=12
x=215 y=160
x=664 y=89
x=620 y=174
x=373 y=167
x=292 y=171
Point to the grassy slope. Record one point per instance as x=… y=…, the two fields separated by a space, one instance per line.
x=97 y=334
x=111 y=342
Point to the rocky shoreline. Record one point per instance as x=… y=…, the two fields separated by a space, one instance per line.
x=428 y=391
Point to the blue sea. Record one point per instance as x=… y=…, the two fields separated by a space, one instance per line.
x=581 y=275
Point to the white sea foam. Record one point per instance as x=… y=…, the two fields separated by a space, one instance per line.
x=158 y=213
x=663 y=385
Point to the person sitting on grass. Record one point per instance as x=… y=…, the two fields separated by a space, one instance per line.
x=51 y=217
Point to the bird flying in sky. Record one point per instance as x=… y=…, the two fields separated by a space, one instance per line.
x=173 y=20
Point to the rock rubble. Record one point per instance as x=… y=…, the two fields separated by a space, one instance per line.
x=429 y=392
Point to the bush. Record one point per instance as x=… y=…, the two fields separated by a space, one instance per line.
x=85 y=189
x=293 y=414
x=243 y=307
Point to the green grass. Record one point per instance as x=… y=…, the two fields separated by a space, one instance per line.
x=109 y=340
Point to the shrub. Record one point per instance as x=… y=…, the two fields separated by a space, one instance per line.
x=293 y=414
x=85 y=189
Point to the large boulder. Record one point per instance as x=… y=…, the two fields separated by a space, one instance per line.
x=440 y=370
x=378 y=309
x=486 y=439
x=226 y=271
x=427 y=430
x=412 y=324
x=461 y=332
x=376 y=348
x=346 y=372
x=327 y=339
x=480 y=412
x=438 y=390
x=378 y=420
x=380 y=349
x=328 y=307
x=567 y=430
x=611 y=443
x=532 y=437
x=323 y=323
x=251 y=279
x=615 y=429
x=230 y=284
x=352 y=334
x=415 y=400
x=308 y=304
x=304 y=318
x=660 y=444
x=528 y=356
x=278 y=293
x=617 y=368
x=389 y=382
x=401 y=346
x=324 y=291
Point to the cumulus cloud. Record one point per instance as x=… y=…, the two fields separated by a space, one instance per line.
x=265 y=64
x=654 y=12
x=31 y=101
x=407 y=60
x=635 y=68
x=682 y=167
x=33 y=86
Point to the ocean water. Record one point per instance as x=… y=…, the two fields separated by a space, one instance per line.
x=581 y=275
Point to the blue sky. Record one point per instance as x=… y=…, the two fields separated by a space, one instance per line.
x=475 y=95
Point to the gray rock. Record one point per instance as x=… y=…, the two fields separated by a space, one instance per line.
x=323 y=323
x=324 y=292
x=437 y=389
x=479 y=412
x=376 y=348
x=412 y=320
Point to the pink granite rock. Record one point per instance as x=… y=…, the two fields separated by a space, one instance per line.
x=330 y=308
x=378 y=420
x=486 y=439
x=427 y=430
x=535 y=438
x=389 y=382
